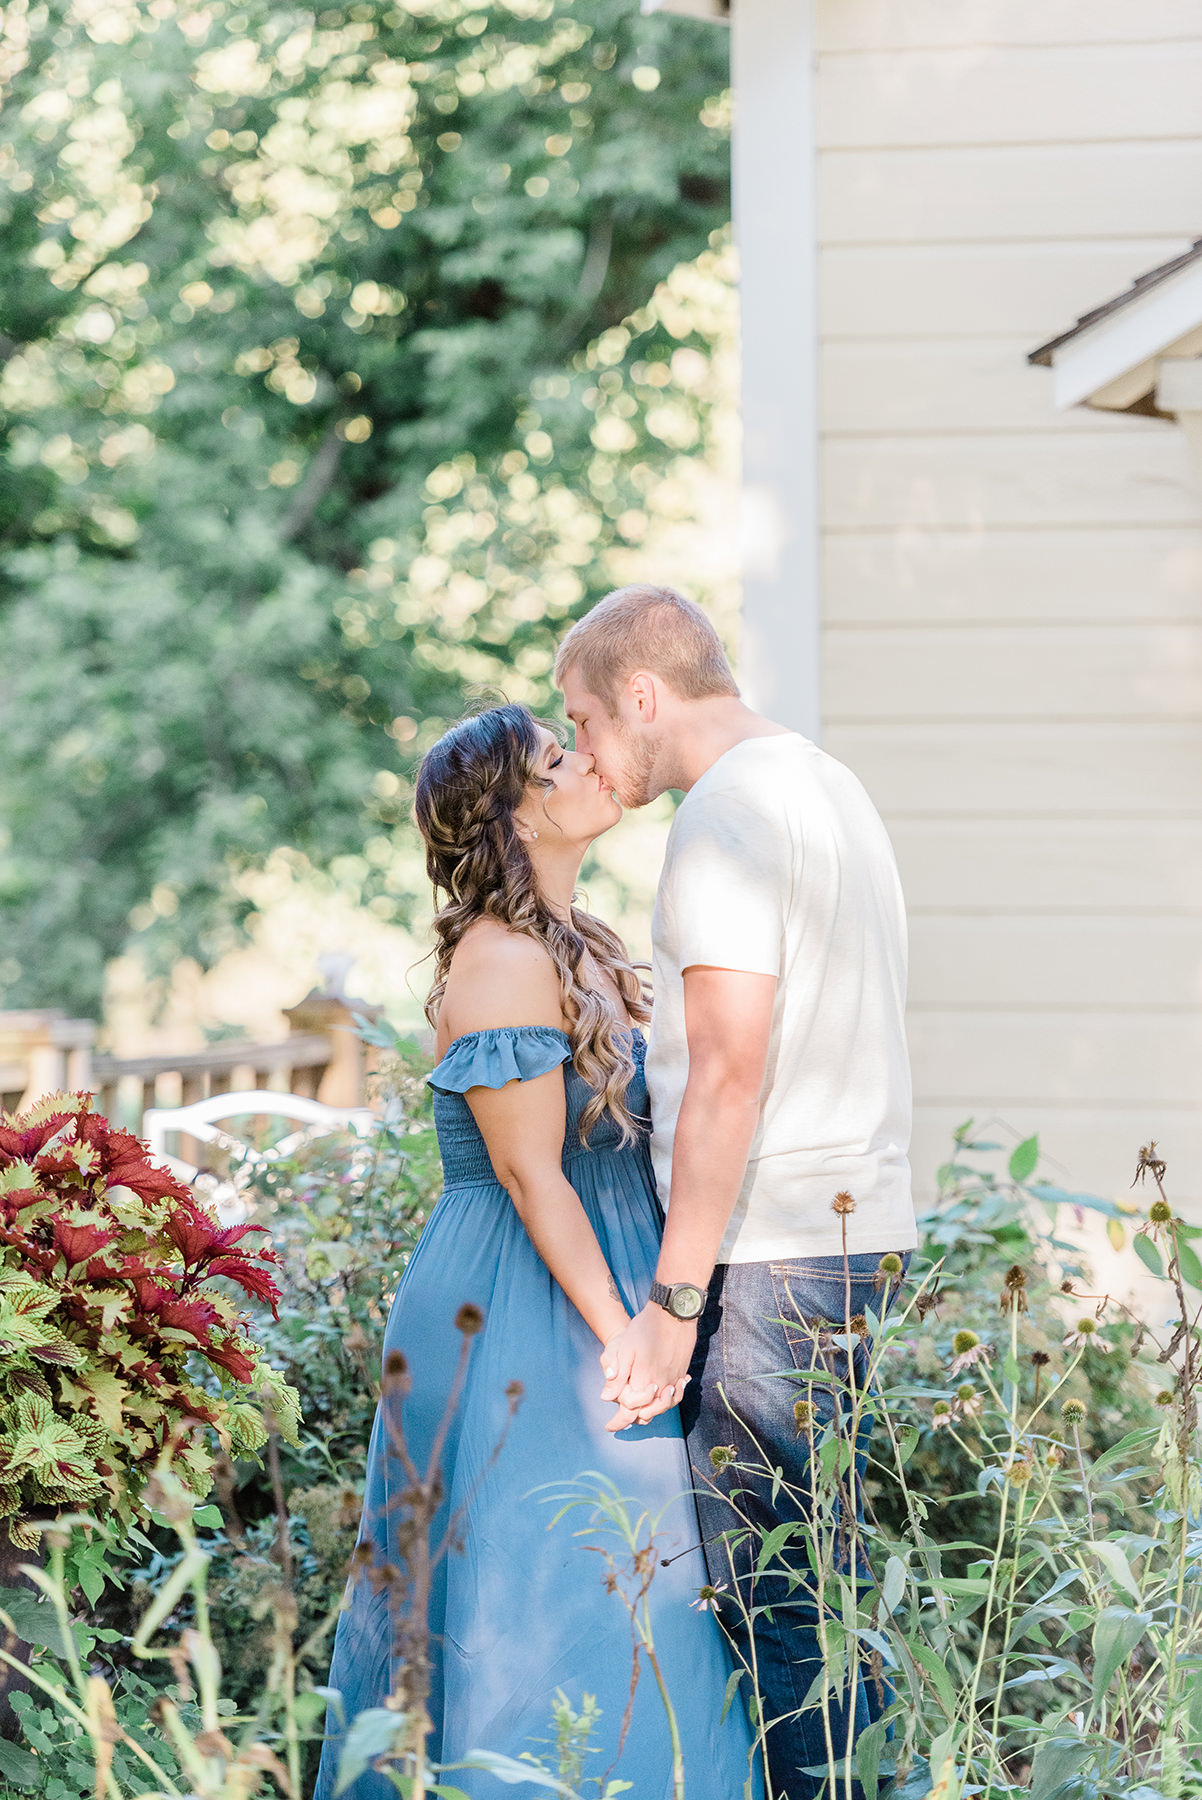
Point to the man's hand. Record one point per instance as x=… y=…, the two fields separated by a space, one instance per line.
x=646 y=1366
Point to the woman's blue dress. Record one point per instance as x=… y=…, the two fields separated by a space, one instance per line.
x=521 y=1608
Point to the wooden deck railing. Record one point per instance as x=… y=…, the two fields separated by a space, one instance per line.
x=295 y=1065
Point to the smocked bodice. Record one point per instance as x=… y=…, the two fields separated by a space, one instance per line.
x=518 y=1053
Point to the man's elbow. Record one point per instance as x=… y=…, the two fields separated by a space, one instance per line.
x=725 y=1084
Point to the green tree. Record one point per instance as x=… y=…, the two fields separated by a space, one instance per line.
x=318 y=405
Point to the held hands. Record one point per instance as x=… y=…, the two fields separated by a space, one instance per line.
x=646 y=1366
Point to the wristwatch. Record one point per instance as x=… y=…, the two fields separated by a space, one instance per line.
x=684 y=1300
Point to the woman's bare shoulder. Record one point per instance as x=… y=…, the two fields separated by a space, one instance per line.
x=499 y=977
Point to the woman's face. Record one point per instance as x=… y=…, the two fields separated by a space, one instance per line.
x=577 y=806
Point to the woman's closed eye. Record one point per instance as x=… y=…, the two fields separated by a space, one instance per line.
x=555 y=762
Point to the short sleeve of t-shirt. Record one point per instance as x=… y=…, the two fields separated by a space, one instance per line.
x=727 y=879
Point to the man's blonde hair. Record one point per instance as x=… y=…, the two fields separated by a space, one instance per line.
x=652 y=628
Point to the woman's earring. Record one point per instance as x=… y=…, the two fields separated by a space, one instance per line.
x=534 y=834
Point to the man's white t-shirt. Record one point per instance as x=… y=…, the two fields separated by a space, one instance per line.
x=778 y=864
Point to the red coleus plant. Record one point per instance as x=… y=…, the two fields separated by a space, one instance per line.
x=117 y=1337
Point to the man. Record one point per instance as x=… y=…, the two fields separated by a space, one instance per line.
x=781 y=1105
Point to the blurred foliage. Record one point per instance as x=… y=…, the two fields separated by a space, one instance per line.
x=345 y=356
x=993 y=1213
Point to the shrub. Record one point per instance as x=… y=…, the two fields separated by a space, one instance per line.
x=117 y=1336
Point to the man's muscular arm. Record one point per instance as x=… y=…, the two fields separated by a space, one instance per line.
x=728 y=1023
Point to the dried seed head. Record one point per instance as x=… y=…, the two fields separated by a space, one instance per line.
x=964 y=1341
x=940 y=1409
x=1165 y=1397
x=1160 y=1212
x=514 y=1391
x=890 y=1264
x=966 y=1392
x=396 y=1373
x=1040 y=1359
x=843 y=1203
x=469 y=1320
x=1066 y=1287
x=722 y=1455
x=363 y=1555
x=1019 y=1473
x=1074 y=1412
x=803 y=1415
x=1053 y=1456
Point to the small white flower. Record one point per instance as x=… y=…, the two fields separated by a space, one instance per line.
x=707 y=1598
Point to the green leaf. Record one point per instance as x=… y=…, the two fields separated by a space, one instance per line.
x=506 y=1769
x=774 y=1542
x=1024 y=1158
x=1115 y=1635
x=91 y=1580
x=732 y=1688
x=936 y=1669
x=372 y=1733
x=208 y=1515
x=19 y=1767
x=1056 y=1762
x=32 y=1620
x=1148 y=1254
x=868 y=1756
x=1116 y=1565
x=894 y=1584
x=1188 y=1263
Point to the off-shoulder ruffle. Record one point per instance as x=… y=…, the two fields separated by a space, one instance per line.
x=492 y=1058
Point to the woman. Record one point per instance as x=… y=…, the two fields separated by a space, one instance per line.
x=548 y=1224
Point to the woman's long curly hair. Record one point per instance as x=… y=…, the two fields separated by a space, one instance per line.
x=469 y=787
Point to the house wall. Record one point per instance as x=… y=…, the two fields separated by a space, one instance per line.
x=1012 y=597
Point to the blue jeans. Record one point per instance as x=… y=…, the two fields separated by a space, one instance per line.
x=760 y=1319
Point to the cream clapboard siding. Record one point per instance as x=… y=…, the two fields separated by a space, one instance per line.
x=1012 y=597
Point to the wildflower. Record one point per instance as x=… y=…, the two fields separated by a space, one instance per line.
x=941 y=1415
x=1014 y=1289
x=707 y=1597
x=722 y=1455
x=843 y=1203
x=888 y=1271
x=1149 y=1164
x=1053 y=1456
x=1074 y=1412
x=1165 y=1397
x=803 y=1415
x=1019 y=1473
x=469 y=1320
x=1160 y=1212
x=925 y=1303
x=970 y=1402
x=967 y=1351
x=1086 y=1337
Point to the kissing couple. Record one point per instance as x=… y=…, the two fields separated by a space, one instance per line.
x=637 y=1188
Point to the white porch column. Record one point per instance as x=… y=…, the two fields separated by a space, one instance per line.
x=776 y=233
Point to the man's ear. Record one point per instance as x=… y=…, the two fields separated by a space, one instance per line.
x=642 y=690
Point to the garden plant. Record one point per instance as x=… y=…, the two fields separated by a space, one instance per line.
x=1031 y=1594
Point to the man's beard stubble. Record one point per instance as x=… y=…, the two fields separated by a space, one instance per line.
x=639 y=757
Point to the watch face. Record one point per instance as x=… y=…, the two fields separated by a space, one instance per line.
x=687 y=1302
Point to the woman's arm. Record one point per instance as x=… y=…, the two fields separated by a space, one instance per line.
x=501 y=978
x=522 y=1126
